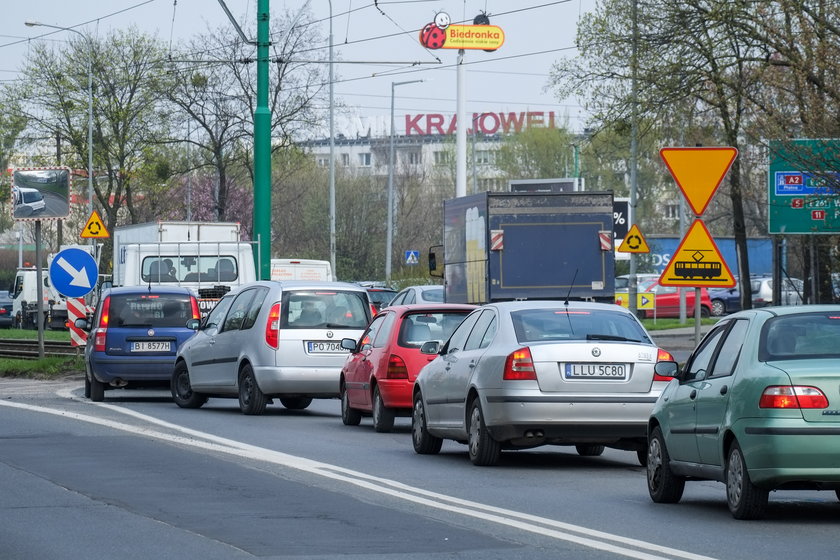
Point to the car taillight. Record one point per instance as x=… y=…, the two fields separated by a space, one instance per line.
x=663 y=356
x=373 y=310
x=102 y=328
x=196 y=312
x=272 y=327
x=519 y=366
x=396 y=368
x=792 y=396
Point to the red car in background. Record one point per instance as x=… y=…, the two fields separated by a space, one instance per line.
x=668 y=301
x=378 y=375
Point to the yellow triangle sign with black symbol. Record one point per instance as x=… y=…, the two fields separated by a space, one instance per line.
x=697 y=262
x=634 y=242
x=94 y=228
x=698 y=171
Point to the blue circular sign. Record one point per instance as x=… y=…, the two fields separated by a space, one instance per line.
x=73 y=272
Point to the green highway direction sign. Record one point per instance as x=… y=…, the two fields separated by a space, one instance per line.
x=804 y=187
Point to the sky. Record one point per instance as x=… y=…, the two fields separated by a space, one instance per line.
x=378 y=40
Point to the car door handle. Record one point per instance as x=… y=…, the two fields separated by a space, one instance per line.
x=472 y=363
x=724 y=390
x=693 y=394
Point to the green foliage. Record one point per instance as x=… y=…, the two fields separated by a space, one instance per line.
x=538 y=153
x=47 y=368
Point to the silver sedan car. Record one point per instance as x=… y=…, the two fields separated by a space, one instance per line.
x=516 y=375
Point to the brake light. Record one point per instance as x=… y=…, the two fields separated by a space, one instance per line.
x=663 y=356
x=396 y=368
x=196 y=312
x=792 y=396
x=373 y=310
x=102 y=328
x=272 y=327
x=519 y=366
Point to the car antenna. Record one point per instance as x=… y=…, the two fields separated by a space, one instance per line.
x=566 y=303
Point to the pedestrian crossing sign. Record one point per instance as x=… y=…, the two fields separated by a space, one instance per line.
x=412 y=257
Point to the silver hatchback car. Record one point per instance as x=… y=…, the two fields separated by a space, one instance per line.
x=528 y=373
x=271 y=339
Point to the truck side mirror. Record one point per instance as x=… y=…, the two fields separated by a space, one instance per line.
x=436 y=261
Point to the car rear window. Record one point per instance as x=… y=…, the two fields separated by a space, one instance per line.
x=381 y=296
x=417 y=328
x=150 y=310
x=435 y=295
x=535 y=325
x=333 y=309
x=800 y=337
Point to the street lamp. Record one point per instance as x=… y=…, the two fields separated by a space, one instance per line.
x=390 y=225
x=90 y=103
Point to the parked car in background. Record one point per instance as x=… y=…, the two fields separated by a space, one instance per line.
x=757 y=407
x=380 y=297
x=622 y=283
x=134 y=335
x=668 y=301
x=762 y=291
x=379 y=373
x=7 y=317
x=419 y=294
x=521 y=374
x=725 y=300
x=271 y=340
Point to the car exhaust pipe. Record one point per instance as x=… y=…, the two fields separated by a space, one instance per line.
x=118 y=382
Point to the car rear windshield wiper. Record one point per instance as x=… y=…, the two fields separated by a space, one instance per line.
x=610 y=337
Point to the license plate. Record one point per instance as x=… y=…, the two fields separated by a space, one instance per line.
x=324 y=347
x=151 y=346
x=596 y=371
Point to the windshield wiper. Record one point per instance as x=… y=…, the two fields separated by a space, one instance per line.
x=609 y=337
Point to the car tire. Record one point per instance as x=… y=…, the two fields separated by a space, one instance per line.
x=296 y=403
x=181 y=389
x=745 y=499
x=87 y=385
x=424 y=442
x=718 y=308
x=97 y=389
x=383 y=417
x=837 y=493
x=483 y=449
x=663 y=485
x=705 y=312
x=349 y=415
x=642 y=456
x=589 y=450
x=252 y=401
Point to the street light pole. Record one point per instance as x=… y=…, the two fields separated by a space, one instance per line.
x=90 y=104
x=390 y=225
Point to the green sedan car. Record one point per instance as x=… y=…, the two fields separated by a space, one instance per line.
x=756 y=406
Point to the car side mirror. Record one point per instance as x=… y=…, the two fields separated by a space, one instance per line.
x=430 y=347
x=667 y=369
x=194 y=324
x=82 y=324
x=348 y=344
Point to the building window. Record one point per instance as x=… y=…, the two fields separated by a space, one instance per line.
x=443 y=158
x=415 y=158
x=345 y=159
x=485 y=157
x=672 y=211
x=492 y=184
x=323 y=162
x=364 y=159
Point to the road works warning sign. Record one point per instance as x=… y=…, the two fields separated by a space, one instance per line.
x=697 y=262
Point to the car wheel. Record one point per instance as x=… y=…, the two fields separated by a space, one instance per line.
x=705 y=312
x=349 y=415
x=252 y=401
x=483 y=449
x=745 y=499
x=663 y=485
x=718 y=308
x=181 y=389
x=589 y=450
x=424 y=442
x=97 y=389
x=87 y=385
x=383 y=417
x=296 y=403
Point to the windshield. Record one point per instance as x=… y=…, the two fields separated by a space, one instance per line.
x=190 y=268
x=331 y=309
x=535 y=325
x=150 y=310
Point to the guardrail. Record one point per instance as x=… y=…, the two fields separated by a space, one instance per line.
x=28 y=349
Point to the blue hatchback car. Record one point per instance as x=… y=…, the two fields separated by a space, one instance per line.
x=134 y=335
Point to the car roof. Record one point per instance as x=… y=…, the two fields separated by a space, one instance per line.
x=789 y=310
x=509 y=306
x=430 y=307
x=305 y=285
x=148 y=288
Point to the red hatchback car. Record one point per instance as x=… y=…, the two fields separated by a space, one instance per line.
x=668 y=301
x=378 y=376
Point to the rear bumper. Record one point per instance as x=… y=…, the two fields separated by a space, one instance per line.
x=396 y=393
x=321 y=382
x=130 y=368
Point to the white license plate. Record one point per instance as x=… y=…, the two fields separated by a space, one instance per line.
x=596 y=371
x=151 y=346
x=324 y=347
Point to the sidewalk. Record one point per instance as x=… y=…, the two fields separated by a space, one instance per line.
x=681 y=338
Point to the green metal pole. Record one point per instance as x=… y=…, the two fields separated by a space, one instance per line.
x=262 y=151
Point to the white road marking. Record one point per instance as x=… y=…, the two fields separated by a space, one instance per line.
x=583 y=536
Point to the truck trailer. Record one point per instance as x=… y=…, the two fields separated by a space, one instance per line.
x=501 y=246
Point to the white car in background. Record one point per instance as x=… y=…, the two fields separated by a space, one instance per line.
x=419 y=294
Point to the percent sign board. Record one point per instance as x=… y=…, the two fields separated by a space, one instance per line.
x=698 y=172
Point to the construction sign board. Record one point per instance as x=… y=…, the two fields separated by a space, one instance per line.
x=94 y=228
x=697 y=262
x=698 y=172
x=634 y=242
x=644 y=300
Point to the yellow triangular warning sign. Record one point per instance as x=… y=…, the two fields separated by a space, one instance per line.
x=634 y=242
x=94 y=228
x=697 y=262
x=698 y=172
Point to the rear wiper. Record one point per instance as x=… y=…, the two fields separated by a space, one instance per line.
x=610 y=337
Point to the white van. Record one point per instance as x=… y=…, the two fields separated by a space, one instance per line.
x=27 y=201
x=301 y=269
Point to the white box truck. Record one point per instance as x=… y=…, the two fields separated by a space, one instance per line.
x=208 y=258
x=301 y=269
